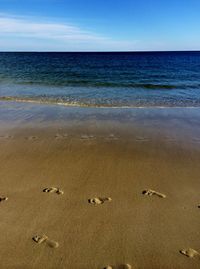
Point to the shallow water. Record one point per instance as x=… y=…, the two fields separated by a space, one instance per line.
x=168 y=125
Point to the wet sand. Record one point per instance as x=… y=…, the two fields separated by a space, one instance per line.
x=107 y=207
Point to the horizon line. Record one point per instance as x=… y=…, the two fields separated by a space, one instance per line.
x=97 y=51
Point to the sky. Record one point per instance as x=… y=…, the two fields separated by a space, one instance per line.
x=99 y=25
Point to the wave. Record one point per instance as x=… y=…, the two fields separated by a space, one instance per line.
x=95 y=105
x=107 y=84
x=42 y=101
x=118 y=83
x=82 y=83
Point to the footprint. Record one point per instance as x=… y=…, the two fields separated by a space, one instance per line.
x=123 y=266
x=41 y=239
x=152 y=192
x=99 y=200
x=85 y=137
x=6 y=136
x=32 y=137
x=170 y=139
x=191 y=253
x=3 y=199
x=52 y=243
x=142 y=139
x=112 y=137
x=59 y=136
x=53 y=190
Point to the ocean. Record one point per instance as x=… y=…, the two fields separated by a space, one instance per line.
x=118 y=79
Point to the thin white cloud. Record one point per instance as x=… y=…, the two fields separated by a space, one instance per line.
x=28 y=28
x=54 y=35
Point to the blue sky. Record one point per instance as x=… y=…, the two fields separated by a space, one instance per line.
x=99 y=25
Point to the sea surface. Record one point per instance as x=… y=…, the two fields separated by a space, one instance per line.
x=129 y=79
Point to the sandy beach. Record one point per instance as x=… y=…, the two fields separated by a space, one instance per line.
x=88 y=186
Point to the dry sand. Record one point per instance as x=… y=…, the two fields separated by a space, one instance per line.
x=62 y=228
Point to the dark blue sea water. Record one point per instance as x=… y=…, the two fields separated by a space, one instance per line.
x=102 y=79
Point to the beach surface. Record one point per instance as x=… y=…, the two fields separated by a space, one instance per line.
x=104 y=166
